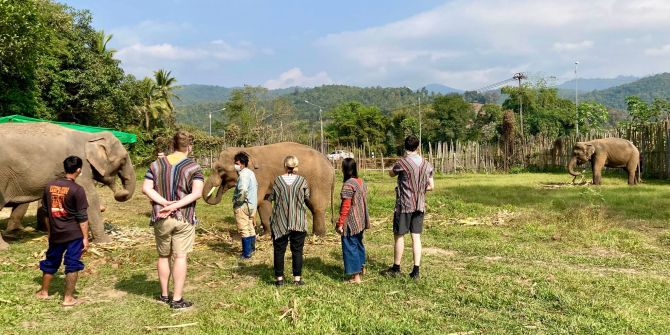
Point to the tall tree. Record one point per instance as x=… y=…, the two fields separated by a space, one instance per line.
x=450 y=118
x=356 y=124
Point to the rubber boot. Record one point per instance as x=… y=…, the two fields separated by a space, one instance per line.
x=253 y=243
x=246 y=248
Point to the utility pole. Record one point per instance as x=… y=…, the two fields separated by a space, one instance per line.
x=519 y=76
x=320 y=121
x=576 y=100
x=420 y=124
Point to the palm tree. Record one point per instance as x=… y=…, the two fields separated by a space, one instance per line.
x=164 y=83
x=153 y=105
x=101 y=41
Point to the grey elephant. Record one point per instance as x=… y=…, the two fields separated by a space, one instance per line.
x=33 y=155
x=607 y=152
x=267 y=162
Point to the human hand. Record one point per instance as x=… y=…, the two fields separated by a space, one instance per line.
x=85 y=244
x=339 y=230
x=166 y=211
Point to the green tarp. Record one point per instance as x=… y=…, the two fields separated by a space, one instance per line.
x=123 y=137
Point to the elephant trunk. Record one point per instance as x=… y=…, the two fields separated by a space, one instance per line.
x=213 y=197
x=571 y=167
x=127 y=176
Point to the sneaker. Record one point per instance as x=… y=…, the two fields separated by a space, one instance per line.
x=163 y=298
x=298 y=282
x=415 y=275
x=180 y=304
x=279 y=282
x=391 y=272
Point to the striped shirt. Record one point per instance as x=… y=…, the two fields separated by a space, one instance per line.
x=174 y=182
x=289 y=209
x=357 y=220
x=413 y=179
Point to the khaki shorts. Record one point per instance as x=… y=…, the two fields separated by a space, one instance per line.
x=174 y=237
x=245 y=221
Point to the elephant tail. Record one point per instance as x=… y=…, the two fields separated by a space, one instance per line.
x=638 y=173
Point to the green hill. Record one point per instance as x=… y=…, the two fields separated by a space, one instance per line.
x=648 y=88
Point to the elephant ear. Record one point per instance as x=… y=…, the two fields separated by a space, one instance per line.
x=96 y=154
x=590 y=149
x=253 y=162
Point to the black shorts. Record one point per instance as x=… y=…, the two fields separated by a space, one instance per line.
x=407 y=222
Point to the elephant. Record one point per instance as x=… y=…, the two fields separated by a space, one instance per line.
x=33 y=155
x=607 y=152
x=19 y=211
x=267 y=162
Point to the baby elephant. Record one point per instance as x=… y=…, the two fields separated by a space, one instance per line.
x=607 y=152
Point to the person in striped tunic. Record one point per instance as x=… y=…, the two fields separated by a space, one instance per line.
x=415 y=177
x=353 y=220
x=173 y=184
x=288 y=221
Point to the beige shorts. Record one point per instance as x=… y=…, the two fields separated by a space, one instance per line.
x=245 y=221
x=174 y=237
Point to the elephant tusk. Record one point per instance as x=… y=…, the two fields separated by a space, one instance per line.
x=214 y=189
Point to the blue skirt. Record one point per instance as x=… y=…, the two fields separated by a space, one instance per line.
x=353 y=253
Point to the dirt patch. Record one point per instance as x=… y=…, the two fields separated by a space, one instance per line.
x=500 y=218
x=438 y=252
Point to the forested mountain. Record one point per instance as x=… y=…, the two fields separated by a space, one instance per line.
x=442 y=89
x=648 y=88
x=196 y=101
x=591 y=84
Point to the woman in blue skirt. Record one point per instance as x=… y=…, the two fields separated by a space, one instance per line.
x=353 y=220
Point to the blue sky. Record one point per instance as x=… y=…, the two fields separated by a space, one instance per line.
x=460 y=43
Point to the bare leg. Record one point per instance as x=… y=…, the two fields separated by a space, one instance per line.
x=43 y=293
x=179 y=276
x=70 y=283
x=416 y=248
x=163 y=266
x=399 y=248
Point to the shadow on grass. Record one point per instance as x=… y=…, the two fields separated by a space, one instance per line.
x=138 y=284
x=264 y=272
x=317 y=265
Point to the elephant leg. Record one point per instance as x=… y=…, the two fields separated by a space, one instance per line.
x=631 y=168
x=95 y=223
x=18 y=212
x=42 y=217
x=265 y=211
x=319 y=218
x=597 y=167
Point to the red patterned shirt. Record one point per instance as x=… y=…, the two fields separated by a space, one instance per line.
x=354 y=210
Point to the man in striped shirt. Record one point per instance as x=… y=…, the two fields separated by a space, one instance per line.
x=173 y=184
x=415 y=177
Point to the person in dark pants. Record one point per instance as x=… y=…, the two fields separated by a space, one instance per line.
x=66 y=205
x=353 y=220
x=415 y=178
x=288 y=222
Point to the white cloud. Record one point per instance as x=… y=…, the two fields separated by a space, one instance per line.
x=295 y=77
x=558 y=46
x=471 y=43
x=662 y=51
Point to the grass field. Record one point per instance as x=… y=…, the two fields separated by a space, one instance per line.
x=503 y=254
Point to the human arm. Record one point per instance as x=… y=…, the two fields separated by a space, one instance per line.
x=344 y=212
x=196 y=193
x=81 y=216
x=84 y=231
x=150 y=192
x=395 y=170
x=431 y=182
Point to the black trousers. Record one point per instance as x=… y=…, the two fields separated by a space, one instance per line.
x=297 y=240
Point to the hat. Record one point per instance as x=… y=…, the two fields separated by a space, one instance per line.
x=291 y=162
